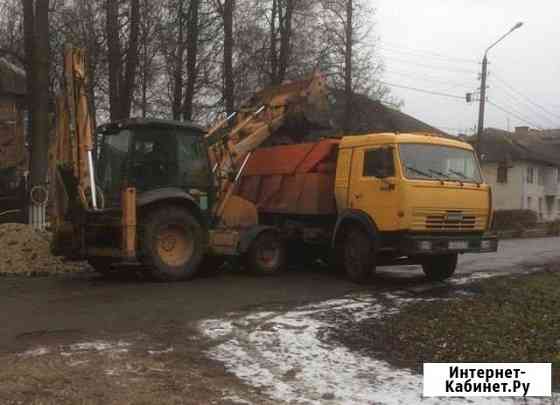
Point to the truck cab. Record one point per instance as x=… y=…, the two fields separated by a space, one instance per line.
x=416 y=196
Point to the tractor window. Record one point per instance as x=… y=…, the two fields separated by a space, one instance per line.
x=155 y=160
x=113 y=161
x=192 y=162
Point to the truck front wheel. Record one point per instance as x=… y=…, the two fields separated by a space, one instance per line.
x=172 y=244
x=357 y=254
x=439 y=268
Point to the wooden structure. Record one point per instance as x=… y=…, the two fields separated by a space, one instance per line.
x=14 y=156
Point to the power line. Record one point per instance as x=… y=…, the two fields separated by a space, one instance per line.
x=512 y=114
x=526 y=97
x=403 y=49
x=529 y=106
x=422 y=65
x=434 y=93
x=427 y=78
x=515 y=110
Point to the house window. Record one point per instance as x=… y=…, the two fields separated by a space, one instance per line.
x=530 y=174
x=529 y=203
x=502 y=174
x=540 y=176
x=540 y=208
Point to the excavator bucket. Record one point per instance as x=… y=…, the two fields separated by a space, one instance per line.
x=305 y=102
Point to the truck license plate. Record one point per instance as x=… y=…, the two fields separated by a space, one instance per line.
x=458 y=245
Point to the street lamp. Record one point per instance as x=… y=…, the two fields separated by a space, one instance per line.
x=483 y=85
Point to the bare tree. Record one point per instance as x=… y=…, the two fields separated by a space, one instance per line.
x=349 y=49
x=281 y=19
x=122 y=76
x=349 y=31
x=226 y=10
x=11 y=35
x=36 y=29
x=192 y=56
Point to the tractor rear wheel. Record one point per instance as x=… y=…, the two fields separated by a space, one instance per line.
x=172 y=244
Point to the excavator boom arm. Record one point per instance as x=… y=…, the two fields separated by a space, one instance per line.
x=300 y=103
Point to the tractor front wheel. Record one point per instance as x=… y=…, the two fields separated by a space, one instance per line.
x=172 y=244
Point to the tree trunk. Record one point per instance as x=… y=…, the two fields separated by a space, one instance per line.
x=39 y=87
x=285 y=38
x=115 y=63
x=192 y=55
x=178 y=64
x=229 y=85
x=348 y=67
x=29 y=44
x=273 y=57
x=129 y=80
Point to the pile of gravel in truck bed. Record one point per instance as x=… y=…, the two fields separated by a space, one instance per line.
x=24 y=251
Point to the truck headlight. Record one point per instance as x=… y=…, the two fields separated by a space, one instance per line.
x=425 y=245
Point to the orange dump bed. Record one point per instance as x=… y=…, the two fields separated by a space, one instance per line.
x=292 y=179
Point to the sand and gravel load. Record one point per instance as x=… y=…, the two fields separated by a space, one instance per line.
x=24 y=251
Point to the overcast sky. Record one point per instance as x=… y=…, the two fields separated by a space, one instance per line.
x=437 y=45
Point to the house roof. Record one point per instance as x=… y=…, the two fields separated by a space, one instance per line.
x=503 y=146
x=371 y=116
x=12 y=79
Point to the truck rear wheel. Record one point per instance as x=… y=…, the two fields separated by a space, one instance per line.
x=172 y=244
x=439 y=268
x=267 y=254
x=357 y=254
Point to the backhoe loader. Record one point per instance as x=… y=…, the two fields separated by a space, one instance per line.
x=160 y=194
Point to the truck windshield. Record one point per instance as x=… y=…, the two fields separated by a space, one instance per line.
x=423 y=161
x=111 y=167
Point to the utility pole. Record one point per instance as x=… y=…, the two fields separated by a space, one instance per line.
x=482 y=103
x=483 y=88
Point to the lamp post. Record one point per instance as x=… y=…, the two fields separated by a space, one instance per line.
x=483 y=85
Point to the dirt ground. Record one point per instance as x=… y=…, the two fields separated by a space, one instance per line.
x=82 y=338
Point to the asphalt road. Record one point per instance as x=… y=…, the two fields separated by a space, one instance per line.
x=92 y=306
x=84 y=337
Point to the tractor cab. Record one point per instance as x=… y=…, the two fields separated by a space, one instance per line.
x=150 y=155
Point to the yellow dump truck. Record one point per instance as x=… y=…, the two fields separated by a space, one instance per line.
x=379 y=199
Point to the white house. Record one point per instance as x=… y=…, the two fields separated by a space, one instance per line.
x=523 y=170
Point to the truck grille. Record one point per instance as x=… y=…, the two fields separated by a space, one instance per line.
x=449 y=220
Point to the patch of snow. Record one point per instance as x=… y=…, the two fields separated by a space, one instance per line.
x=236 y=399
x=282 y=353
x=164 y=351
x=472 y=278
x=77 y=363
x=39 y=351
x=100 y=346
x=216 y=328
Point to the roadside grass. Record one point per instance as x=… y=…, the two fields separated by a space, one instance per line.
x=508 y=320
